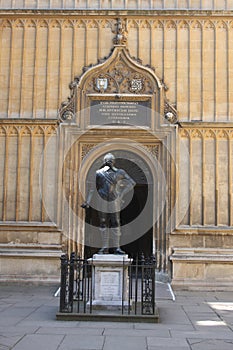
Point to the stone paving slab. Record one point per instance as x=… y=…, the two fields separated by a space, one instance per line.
x=39 y=341
x=174 y=315
x=166 y=347
x=137 y=332
x=18 y=330
x=71 y=330
x=165 y=326
x=125 y=343
x=117 y=325
x=80 y=342
x=210 y=344
x=167 y=342
x=7 y=341
x=221 y=334
x=195 y=321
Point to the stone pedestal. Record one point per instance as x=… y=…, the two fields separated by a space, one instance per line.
x=110 y=280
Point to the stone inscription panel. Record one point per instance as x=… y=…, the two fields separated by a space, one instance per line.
x=110 y=284
x=105 y=112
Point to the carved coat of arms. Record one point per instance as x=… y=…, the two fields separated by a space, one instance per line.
x=136 y=85
x=101 y=84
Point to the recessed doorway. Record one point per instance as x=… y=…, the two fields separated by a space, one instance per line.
x=133 y=243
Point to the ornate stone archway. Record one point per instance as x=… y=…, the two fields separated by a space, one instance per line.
x=116 y=103
x=118 y=79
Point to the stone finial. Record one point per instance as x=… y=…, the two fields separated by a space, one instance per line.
x=121 y=38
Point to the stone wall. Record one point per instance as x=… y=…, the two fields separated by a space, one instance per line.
x=119 y=4
x=205 y=176
x=40 y=55
x=31 y=244
x=28 y=172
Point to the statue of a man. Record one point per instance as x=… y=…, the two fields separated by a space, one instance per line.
x=111 y=184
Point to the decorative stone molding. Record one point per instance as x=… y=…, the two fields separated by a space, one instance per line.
x=122 y=25
x=170 y=112
x=153 y=149
x=67 y=109
x=86 y=148
x=20 y=129
x=117 y=75
x=195 y=134
x=207 y=133
x=121 y=79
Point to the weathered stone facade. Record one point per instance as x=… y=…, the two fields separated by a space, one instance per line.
x=46 y=45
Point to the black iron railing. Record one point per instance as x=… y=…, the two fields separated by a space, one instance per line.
x=76 y=290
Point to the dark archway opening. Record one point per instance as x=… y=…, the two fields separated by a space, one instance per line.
x=139 y=172
x=143 y=244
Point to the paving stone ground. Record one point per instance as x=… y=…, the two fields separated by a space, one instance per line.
x=195 y=320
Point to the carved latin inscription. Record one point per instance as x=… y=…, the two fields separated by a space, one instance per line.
x=120 y=112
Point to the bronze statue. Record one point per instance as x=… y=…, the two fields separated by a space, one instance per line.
x=111 y=184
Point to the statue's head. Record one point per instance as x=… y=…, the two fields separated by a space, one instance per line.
x=109 y=159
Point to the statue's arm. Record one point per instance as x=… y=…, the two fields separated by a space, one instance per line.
x=129 y=184
x=90 y=193
x=86 y=204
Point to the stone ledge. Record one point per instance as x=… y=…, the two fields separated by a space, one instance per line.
x=110 y=260
x=192 y=230
x=32 y=246
x=29 y=121
x=7 y=279
x=207 y=255
x=116 y=12
x=29 y=253
x=27 y=225
x=183 y=284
